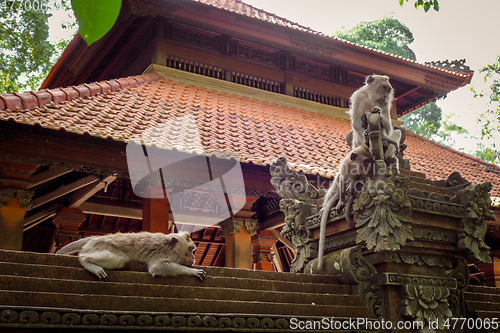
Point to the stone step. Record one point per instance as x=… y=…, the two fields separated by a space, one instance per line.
x=211 y=281
x=29 y=284
x=482 y=290
x=168 y=304
x=483 y=297
x=72 y=261
x=474 y=306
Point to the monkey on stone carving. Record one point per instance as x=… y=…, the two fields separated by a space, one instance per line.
x=377 y=93
x=165 y=255
x=355 y=164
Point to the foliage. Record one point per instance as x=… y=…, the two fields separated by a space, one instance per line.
x=95 y=17
x=446 y=130
x=386 y=34
x=426 y=5
x=25 y=52
x=425 y=121
x=491 y=117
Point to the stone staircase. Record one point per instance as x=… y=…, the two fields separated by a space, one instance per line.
x=483 y=303
x=45 y=291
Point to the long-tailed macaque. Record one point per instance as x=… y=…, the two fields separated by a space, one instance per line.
x=165 y=255
x=356 y=163
x=377 y=92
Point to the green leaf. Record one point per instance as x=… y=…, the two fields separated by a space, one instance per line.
x=401 y=2
x=427 y=6
x=436 y=5
x=95 y=17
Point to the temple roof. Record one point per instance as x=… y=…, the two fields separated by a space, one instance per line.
x=256 y=131
x=241 y=8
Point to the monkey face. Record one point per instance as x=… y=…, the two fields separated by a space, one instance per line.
x=185 y=250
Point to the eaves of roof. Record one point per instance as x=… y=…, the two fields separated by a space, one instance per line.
x=241 y=8
x=256 y=131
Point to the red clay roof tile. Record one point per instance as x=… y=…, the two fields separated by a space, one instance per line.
x=259 y=132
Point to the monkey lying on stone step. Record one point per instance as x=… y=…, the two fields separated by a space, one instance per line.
x=165 y=255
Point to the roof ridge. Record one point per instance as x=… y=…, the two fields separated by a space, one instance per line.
x=28 y=100
x=453 y=150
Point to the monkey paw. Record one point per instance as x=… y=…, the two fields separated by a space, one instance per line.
x=101 y=274
x=376 y=109
x=199 y=273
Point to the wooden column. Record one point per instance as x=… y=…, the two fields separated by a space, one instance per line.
x=67 y=221
x=262 y=244
x=155 y=212
x=14 y=202
x=237 y=233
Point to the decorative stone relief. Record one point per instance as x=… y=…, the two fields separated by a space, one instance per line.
x=233 y=225
x=457 y=298
x=426 y=304
x=382 y=211
x=298 y=201
x=424 y=298
x=24 y=196
x=434 y=203
x=57 y=318
x=433 y=260
x=472 y=228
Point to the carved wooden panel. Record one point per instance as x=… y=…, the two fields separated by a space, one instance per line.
x=320 y=97
x=199 y=38
x=196 y=67
x=255 y=53
x=257 y=82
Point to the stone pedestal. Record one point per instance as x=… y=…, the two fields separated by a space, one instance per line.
x=262 y=243
x=237 y=233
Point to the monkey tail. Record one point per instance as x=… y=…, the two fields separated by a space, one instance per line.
x=73 y=246
x=322 y=231
x=348 y=208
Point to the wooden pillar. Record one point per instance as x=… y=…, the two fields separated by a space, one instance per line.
x=262 y=244
x=155 y=212
x=491 y=272
x=14 y=202
x=237 y=232
x=67 y=221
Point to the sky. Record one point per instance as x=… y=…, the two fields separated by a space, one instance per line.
x=461 y=29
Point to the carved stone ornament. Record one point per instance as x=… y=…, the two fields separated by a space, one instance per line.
x=24 y=196
x=461 y=274
x=298 y=201
x=472 y=228
x=50 y=319
x=382 y=211
x=426 y=304
x=291 y=185
x=233 y=225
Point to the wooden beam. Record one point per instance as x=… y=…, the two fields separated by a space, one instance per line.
x=45 y=176
x=41 y=216
x=63 y=190
x=276 y=258
x=282 y=239
x=76 y=198
x=111 y=210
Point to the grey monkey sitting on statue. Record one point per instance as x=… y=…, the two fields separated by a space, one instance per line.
x=356 y=163
x=376 y=96
x=164 y=254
